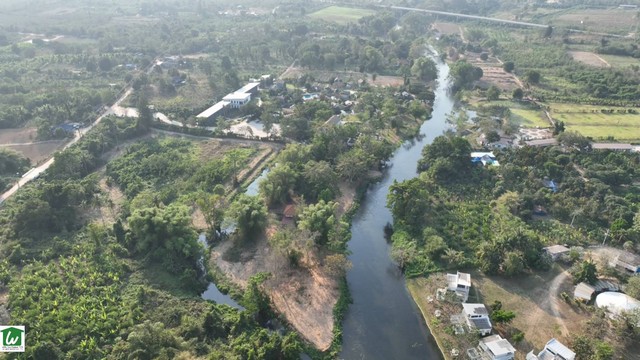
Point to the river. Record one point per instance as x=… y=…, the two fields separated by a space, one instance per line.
x=384 y=322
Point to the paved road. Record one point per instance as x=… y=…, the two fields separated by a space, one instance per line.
x=503 y=21
x=35 y=172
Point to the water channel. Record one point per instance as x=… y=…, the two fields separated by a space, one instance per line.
x=383 y=322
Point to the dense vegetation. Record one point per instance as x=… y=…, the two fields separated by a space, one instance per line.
x=456 y=214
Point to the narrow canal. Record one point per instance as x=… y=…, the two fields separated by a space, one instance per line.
x=383 y=322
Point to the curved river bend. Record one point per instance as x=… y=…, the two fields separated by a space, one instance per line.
x=383 y=322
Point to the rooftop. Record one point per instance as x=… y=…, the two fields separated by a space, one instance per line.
x=481 y=323
x=542 y=142
x=250 y=86
x=237 y=96
x=498 y=346
x=214 y=109
x=555 y=347
x=556 y=249
x=475 y=309
x=611 y=146
x=629 y=258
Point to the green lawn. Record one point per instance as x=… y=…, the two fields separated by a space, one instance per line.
x=580 y=118
x=529 y=118
x=341 y=15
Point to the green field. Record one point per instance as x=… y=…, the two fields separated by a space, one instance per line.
x=580 y=118
x=529 y=118
x=620 y=61
x=341 y=15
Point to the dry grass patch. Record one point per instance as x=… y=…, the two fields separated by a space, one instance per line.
x=589 y=58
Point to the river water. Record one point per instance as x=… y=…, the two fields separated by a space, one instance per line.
x=384 y=322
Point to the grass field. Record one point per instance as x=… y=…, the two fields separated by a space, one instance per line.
x=529 y=118
x=341 y=15
x=610 y=20
x=620 y=61
x=589 y=121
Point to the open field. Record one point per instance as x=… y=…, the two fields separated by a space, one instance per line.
x=590 y=121
x=493 y=73
x=620 y=61
x=447 y=28
x=540 y=313
x=589 y=58
x=610 y=20
x=341 y=15
x=529 y=118
x=24 y=141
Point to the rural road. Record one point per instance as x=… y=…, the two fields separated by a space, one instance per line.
x=502 y=21
x=35 y=172
x=552 y=299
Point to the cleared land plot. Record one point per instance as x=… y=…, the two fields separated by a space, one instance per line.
x=540 y=313
x=13 y=136
x=590 y=121
x=341 y=15
x=620 y=61
x=493 y=73
x=347 y=76
x=589 y=58
x=611 y=20
x=529 y=118
x=447 y=28
x=38 y=152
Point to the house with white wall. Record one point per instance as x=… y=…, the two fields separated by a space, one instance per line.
x=477 y=318
x=553 y=350
x=460 y=283
x=495 y=347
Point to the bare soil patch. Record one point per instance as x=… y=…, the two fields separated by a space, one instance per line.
x=38 y=152
x=346 y=76
x=589 y=58
x=447 y=28
x=14 y=136
x=305 y=295
x=493 y=73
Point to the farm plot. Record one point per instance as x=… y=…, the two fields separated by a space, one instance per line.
x=589 y=58
x=341 y=15
x=591 y=121
x=612 y=20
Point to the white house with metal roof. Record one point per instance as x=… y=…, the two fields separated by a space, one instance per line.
x=553 y=350
x=495 y=347
x=460 y=283
x=477 y=317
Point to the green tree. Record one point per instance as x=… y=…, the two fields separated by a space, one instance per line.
x=354 y=164
x=585 y=271
x=424 y=69
x=633 y=287
x=493 y=93
x=213 y=207
x=164 y=233
x=508 y=66
x=502 y=316
x=278 y=184
x=532 y=77
x=319 y=181
x=320 y=218
x=517 y=94
x=249 y=214
x=464 y=75
x=149 y=340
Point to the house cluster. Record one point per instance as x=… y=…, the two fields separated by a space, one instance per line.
x=476 y=317
x=234 y=100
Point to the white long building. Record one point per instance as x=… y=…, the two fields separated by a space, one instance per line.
x=234 y=100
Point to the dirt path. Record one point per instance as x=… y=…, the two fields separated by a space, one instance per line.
x=552 y=302
x=603 y=60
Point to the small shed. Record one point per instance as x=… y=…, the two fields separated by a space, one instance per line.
x=628 y=262
x=289 y=211
x=556 y=251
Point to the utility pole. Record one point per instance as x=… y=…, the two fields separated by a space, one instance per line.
x=606 y=235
